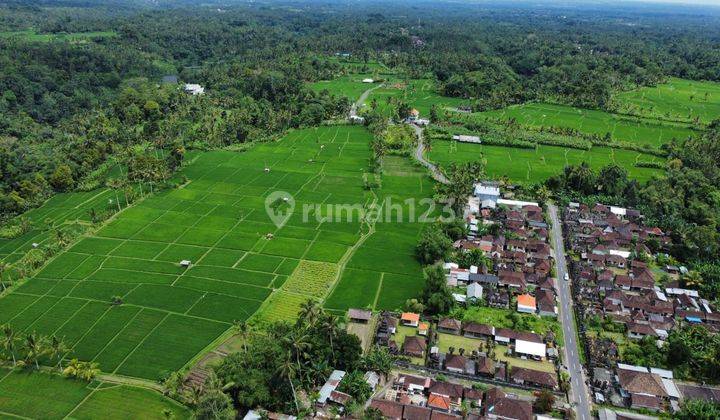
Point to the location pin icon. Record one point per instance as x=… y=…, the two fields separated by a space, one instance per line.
x=279 y=206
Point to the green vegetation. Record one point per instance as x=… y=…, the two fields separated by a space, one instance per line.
x=25 y=394
x=421 y=94
x=676 y=100
x=542 y=162
x=641 y=131
x=75 y=37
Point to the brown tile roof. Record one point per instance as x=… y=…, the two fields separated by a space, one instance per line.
x=414 y=345
x=509 y=408
x=415 y=412
x=455 y=361
x=438 y=415
x=359 y=314
x=485 y=365
x=534 y=376
x=449 y=324
x=641 y=382
x=389 y=409
x=453 y=391
x=644 y=401
x=477 y=328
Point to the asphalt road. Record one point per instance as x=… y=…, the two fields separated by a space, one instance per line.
x=578 y=390
x=419 y=155
x=361 y=100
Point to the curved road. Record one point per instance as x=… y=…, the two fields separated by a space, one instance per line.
x=579 y=394
x=361 y=100
x=419 y=155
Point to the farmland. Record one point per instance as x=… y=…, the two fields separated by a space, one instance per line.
x=678 y=99
x=25 y=395
x=241 y=261
x=350 y=85
x=60 y=209
x=532 y=165
x=420 y=94
x=641 y=131
x=76 y=37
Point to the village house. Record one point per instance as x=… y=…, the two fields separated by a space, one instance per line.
x=359 y=316
x=532 y=377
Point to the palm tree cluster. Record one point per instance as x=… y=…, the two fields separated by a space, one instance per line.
x=29 y=349
x=280 y=367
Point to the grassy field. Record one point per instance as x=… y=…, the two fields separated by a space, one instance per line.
x=534 y=165
x=621 y=128
x=678 y=99
x=350 y=85
x=31 y=35
x=47 y=396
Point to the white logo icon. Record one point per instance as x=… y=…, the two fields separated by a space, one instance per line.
x=279 y=205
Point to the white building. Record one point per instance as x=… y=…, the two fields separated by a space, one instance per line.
x=529 y=348
x=194 y=89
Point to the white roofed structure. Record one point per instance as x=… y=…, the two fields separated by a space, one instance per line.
x=530 y=348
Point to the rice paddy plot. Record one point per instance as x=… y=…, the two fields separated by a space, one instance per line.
x=25 y=395
x=59 y=209
x=678 y=99
x=166 y=277
x=643 y=131
x=536 y=165
x=311 y=278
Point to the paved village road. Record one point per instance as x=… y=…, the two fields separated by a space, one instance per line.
x=578 y=391
x=419 y=155
x=361 y=100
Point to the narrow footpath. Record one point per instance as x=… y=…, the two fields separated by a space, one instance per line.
x=420 y=156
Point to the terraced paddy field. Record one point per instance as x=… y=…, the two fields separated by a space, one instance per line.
x=645 y=131
x=61 y=208
x=383 y=273
x=678 y=99
x=46 y=396
x=243 y=265
x=534 y=165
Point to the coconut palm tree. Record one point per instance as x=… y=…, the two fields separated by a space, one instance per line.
x=57 y=349
x=3 y=266
x=298 y=342
x=330 y=324
x=309 y=311
x=287 y=370
x=8 y=341
x=243 y=329
x=34 y=348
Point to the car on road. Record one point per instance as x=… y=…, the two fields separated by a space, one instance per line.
x=567 y=277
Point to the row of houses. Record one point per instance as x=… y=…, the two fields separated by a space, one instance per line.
x=612 y=282
x=470 y=361
x=616 y=279
x=421 y=398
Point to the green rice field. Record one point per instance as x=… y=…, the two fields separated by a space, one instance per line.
x=643 y=131
x=533 y=165
x=678 y=99
x=61 y=208
x=46 y=396
x=242 y=263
